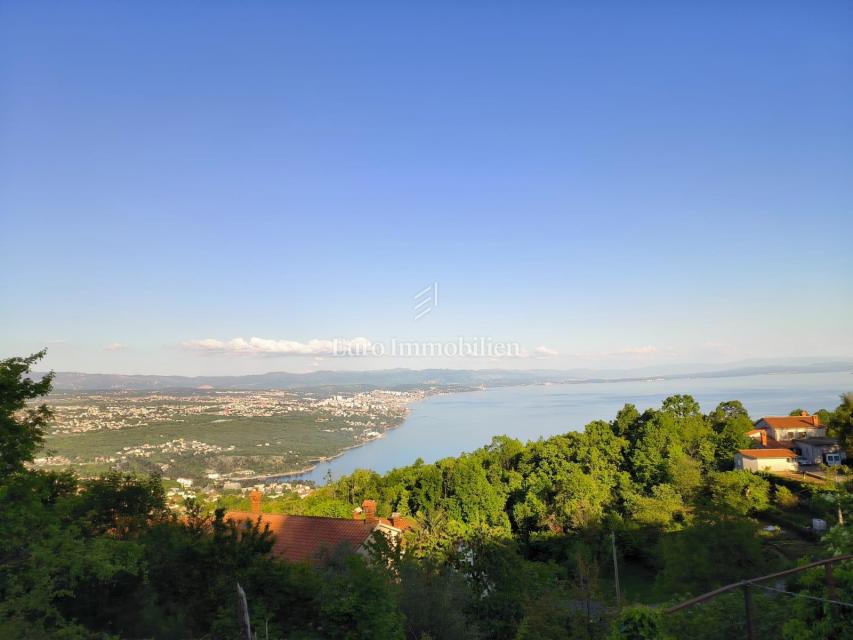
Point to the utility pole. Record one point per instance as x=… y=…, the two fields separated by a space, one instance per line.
x=615 y=570
x=747 y=601
x=243 y=614
x=830 y=586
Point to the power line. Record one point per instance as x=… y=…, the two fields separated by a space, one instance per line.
x=802 y=595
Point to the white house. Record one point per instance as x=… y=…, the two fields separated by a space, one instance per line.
x=787 y=428
x=766 y=460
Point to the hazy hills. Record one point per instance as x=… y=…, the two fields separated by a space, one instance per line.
x=409 y=378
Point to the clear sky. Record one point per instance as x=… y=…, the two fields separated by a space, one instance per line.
x=604 y=184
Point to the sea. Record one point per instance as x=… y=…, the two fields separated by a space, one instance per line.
x=449 y=424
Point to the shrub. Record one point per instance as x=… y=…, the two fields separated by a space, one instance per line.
x=785 y=498
x=639 y=623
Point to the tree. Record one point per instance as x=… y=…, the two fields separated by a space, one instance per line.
x=21 y=427
x=739 y=492
x=730 y=436
x=428 y=587
x=626 y=420
x=681 y=406
x=785 y=498
x=639 y=623
x=712 y=552
x=660 y=509
x=120 y=504
x=686 y=475
x=658 y=441
x=358 y=601
x=841 y=422
x=726 y=412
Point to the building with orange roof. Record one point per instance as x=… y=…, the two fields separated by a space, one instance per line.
x=314 y=538
x=766 y=460
x=787 y=428
x=803 y=434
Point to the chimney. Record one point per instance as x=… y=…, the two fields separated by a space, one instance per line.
x=764 y=438
x=395 y=519
x=356 y=514
x=816 y=421
x=255 y=498
x=369 y=509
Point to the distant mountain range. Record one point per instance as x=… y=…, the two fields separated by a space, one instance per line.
x=415 y=378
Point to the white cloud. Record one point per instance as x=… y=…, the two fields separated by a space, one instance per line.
x=545 y=352
x=266 y=346
x=114 y=346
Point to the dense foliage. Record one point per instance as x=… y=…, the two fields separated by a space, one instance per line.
x=514 y=541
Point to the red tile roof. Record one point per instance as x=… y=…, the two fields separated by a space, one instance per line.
x=769 y=443
x=306 y=538
x=767 y=453
x=792 y=422
x=401 y=523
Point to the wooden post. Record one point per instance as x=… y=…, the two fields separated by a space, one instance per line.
x=243 y=614
x=747 y=601
x=830 y=586
x=830 y=581
x=615 y=570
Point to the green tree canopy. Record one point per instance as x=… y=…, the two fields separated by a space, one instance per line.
x=21 y=426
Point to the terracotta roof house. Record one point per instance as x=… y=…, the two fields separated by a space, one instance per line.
x=803 y=434
x=763 y=441
x=311 y=538
x=786 y=428
x=766 y=460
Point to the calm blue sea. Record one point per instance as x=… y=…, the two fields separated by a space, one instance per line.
x=447 y=425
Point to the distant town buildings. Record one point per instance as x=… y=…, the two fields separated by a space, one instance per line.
x=361 y=417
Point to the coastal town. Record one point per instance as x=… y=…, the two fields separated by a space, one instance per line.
x=229 y=434
x=83 y=413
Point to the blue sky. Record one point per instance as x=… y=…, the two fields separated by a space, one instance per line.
x=620 y=185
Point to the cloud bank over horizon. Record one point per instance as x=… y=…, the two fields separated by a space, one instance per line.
x=269 y=347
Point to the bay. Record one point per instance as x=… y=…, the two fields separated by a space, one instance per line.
x=449 y=424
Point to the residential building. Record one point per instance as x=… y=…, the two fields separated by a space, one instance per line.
x=766 y=460
x=819 y=451
x=312 y=538
x=787 y=428
x=802 y=434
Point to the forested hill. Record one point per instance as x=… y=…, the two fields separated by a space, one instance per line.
x=513 y=541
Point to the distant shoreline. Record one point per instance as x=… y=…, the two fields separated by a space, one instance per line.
x=67 y=382
x=652 y=382
x=266 y=478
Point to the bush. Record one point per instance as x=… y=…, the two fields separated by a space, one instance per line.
x=785 y=498
x=639 y=623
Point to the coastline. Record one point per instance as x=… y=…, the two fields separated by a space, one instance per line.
x=289 y=476
x=762 y=397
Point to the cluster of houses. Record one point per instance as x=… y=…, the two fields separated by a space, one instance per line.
x=789 y=443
